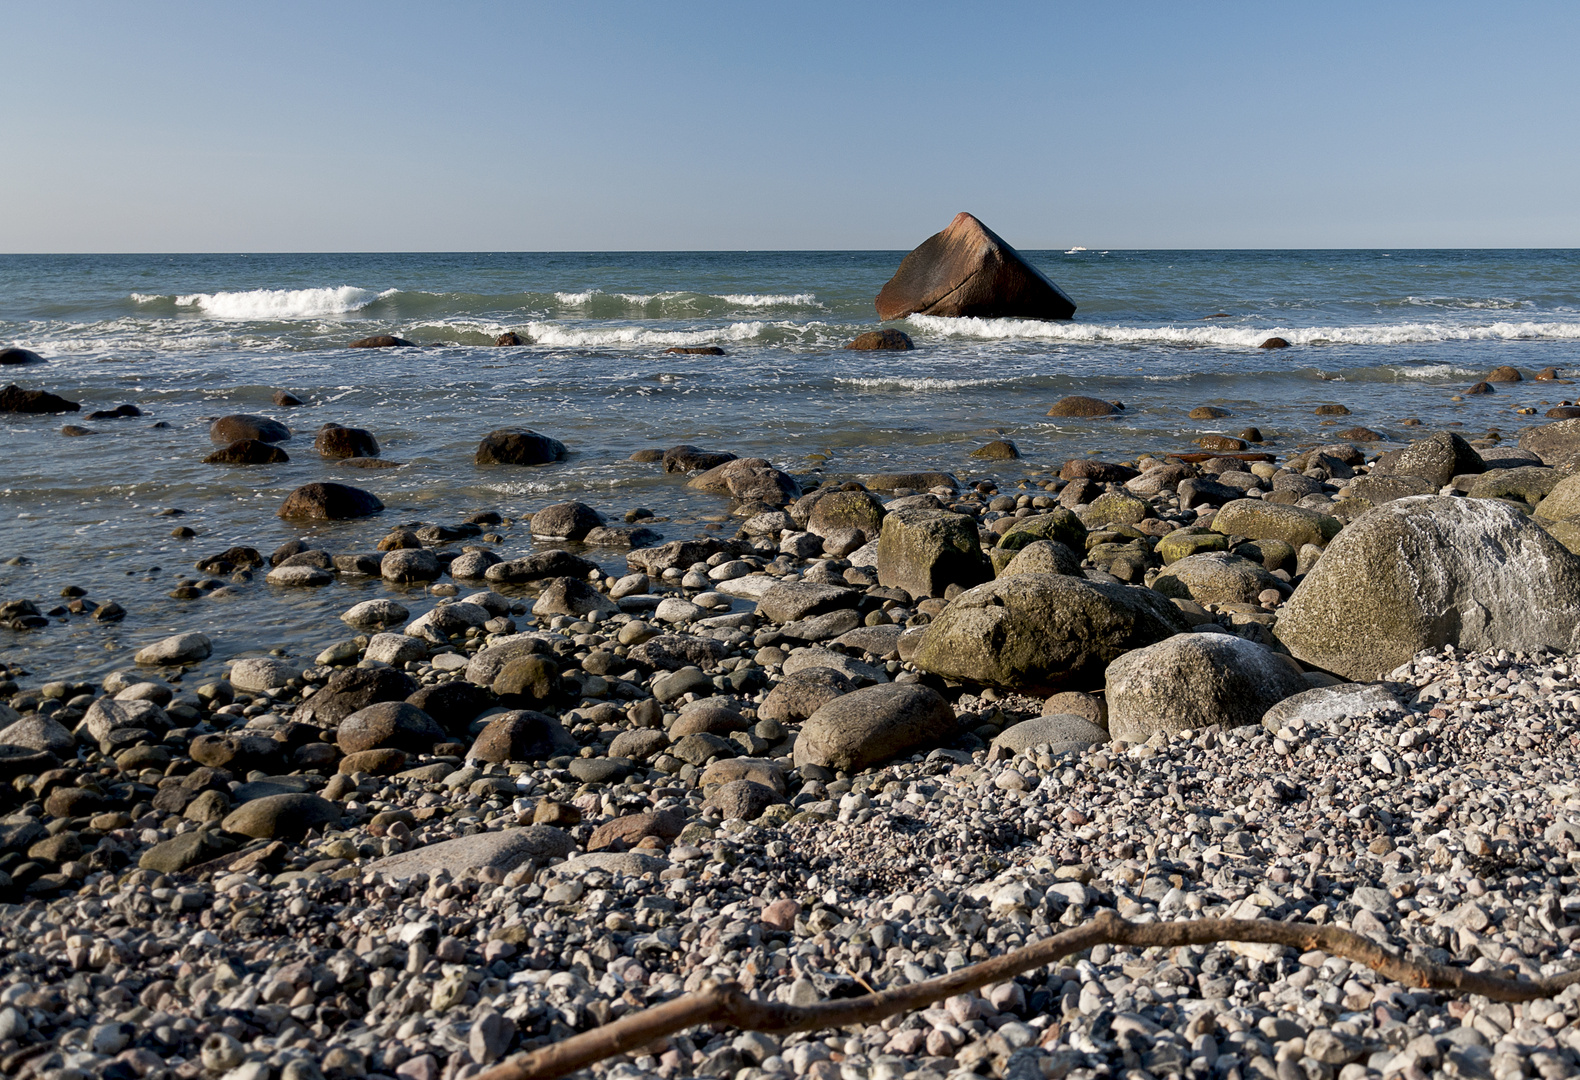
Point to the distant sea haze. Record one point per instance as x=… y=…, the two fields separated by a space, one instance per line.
x=1388 y=334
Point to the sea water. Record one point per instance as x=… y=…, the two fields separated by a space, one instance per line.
x=187 y=338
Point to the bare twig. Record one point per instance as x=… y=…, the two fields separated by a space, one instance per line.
x=725 y=1003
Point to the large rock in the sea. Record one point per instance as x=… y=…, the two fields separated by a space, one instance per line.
x=1043 y=632
x=14 y=399
x=749 y=478
x=15 y=354
x=238 y=426
x=565 y=521
x=335 y=441
x=330 y=502
x=689 y=459
x=539 y=565
x=1077 y=405
x=926 y=551
x=1192 y=681
x=185 y=648
x=248 y=452
x=519 y=446
x=889 y=340
x=380 y=341
x=1438 y=458
x=868 y=726
x=1558 y=445
x=969 y=271
x=1430 y=571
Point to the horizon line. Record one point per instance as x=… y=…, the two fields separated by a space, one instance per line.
x=747 y=251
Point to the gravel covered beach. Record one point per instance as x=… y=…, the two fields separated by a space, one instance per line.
x=874 y=731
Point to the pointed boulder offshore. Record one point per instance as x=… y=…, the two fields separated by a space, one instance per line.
x=967 y=270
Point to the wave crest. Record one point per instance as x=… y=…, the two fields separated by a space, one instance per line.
x=1243 y=337
x=275 y=304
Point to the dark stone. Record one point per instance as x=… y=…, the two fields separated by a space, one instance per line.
x=695 y=350
x=882 y=341
x=527 y=680
x=671 y=652
x=388 y=725
x=543 y=564
x=380 y=341
x=335 y=441
x=519 y=446
x=117 y=413
x=15 y=354
x=230 y=559
x=522 y=736
x=967 y=270
x=1083 y=406
x=1504 y=374
x=356 y=688
x=1099 y=472
x=238 y=753
x=1274 y=343
x=284 y=400
x=229 y=429
x=454 y=704
x=565 y=521
x=330 y=502
x=688 y=459
x=1479 y=389
x=509 y=337
x=248 y=452
x=14 y=399
x=285 y=817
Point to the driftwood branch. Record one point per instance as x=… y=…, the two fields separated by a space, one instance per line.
x=726 y=1004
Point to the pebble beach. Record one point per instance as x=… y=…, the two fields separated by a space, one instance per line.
x=461 y=784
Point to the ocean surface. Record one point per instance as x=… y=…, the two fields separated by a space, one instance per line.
x=187 y=338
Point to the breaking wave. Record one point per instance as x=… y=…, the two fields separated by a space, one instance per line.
x=275 y=304
x=1243 y=337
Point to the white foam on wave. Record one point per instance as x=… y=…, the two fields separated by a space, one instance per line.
x=921 y=382
x=1243 y=337
x=547 y=333
x=770 y=299
x=749 y=300
x=273 y=304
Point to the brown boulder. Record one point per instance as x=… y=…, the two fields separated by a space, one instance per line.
x=380 y=341
x=391 y=725
x=354 y=689
x=1221 y=442
x=687 y=459
x=967 y=270
x=1208 y=412
x=521 y=736
x=1332 y=410
x=1504 y=373
x=1076 y=405
x=1361 y=434
x=519 y=446
x=997 y=450
x=14 y=399
x=18 y=355
x=695 y=350
x=330 y=502
x=1274 y=343
x=1547 y=374
x=1563 y=412
x=626 y=831
x=335 y=441
x=1479 y=389
x=1101 y=472
x=286 y=400
x=509 y=337
x=882 y=341
x=229 y=429
x=248 y=452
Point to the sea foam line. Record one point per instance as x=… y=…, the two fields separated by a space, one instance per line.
x=545 y=333
x=1242 y=337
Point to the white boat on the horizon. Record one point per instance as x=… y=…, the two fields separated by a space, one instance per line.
x=1075 y=249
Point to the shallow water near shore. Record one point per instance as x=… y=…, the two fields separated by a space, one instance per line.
x=1389 y=334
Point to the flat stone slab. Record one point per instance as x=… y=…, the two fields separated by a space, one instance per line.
x=503 y=850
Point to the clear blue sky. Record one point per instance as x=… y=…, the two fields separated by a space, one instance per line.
x=287 y=126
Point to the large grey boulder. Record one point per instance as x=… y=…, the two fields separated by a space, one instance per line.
x=1192 y=681
x=1043 y=632
x=926 y=551
x=392 y=725
x=1038 y=557
x=504 y=851
x=868 y=726
x=1438 y=458
x=36 y=732
x=257 y=673
x=1558 y=445
x=1328 y=703
x=1062 y=733
x=1258 y=519
x=1430 y=571
x=176 y=649
x=798 y=696
x=1216 y=577
x=573 y=596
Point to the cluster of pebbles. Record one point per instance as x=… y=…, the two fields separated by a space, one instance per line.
x=547 y=803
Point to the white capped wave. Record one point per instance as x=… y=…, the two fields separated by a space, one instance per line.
x=1244 y=337
x=921 y=382
x=804 y=299
x=750 y=300
x=280 y=303
x=547 y=333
